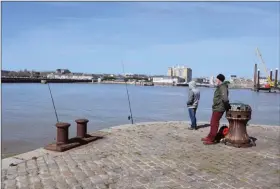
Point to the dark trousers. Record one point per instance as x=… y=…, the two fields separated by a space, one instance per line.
x=192 y=113
x=214 y=124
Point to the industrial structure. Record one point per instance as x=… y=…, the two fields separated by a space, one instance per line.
x=269 y=83
x=181 y=72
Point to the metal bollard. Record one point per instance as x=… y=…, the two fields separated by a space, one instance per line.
x=238 y=117
x=81 y=127
x=62 y=133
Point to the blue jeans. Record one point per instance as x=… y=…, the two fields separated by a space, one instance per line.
x=192 y=112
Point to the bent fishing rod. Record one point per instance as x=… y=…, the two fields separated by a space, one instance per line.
x=129 y=117
x=53 y=103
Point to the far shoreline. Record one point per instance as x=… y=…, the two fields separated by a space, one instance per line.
x=62 y=81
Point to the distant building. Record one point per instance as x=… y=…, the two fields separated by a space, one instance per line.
x=4 y=73
x=170 y=72
x=167 y=80
x=70 y=76
x=180 y=71
x=128 y=74
x=212 y=80
x=63 y=71
x=45 y=73
x=34 y=74
x=198 y=80
x=233 y=77
x=206 y=80
x=202 y=80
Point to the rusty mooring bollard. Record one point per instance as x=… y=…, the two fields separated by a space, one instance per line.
x=62 y=133
x=238 y=117
x=81 y=127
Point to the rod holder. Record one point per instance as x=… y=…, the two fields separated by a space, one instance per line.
x=81 y=127
x=62 y=133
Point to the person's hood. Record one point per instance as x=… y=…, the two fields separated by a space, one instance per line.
x=192 y=85
x=223 y=83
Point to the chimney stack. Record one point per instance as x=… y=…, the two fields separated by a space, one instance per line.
x=276 y=75
x=270 y=76
x=258 y=79
x=255 y=75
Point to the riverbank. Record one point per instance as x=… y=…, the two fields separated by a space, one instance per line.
x=40 y=80
x=151 y=155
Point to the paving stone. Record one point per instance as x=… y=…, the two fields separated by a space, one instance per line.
x=158 y=155
x=11 y=187
x=61 y=185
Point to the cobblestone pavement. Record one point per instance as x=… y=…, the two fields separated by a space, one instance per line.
x=156 y=155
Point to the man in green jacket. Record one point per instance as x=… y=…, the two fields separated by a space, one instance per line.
x=220 y=105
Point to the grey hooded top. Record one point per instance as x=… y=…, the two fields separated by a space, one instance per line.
x=194 y=95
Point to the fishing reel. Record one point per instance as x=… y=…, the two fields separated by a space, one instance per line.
x=128 y=117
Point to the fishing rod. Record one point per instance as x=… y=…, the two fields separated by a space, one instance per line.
x=53 y=103
x=129 y=117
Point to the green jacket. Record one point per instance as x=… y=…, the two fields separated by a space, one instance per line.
x=220 y=100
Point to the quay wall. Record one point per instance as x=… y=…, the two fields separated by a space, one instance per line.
x=38 y=80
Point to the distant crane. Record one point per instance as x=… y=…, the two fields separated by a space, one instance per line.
x=270 y=83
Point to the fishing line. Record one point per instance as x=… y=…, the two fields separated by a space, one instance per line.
x=53 y=103
x=129 y=104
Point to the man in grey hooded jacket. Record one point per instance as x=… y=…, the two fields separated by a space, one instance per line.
x=194 y=96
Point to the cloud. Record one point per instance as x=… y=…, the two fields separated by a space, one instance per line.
x=149 y=35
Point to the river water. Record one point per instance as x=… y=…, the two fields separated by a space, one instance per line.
x=28 y=116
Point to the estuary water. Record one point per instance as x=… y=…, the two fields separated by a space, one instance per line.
x=28 y=117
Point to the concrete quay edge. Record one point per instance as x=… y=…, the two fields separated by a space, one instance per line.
x=14 y=160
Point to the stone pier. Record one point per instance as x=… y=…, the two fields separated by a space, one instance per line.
x=151 y=156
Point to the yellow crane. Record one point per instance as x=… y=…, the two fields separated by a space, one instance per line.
x=271 y=84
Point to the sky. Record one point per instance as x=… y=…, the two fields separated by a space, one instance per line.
x=147 y=37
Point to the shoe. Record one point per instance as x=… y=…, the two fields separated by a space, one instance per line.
x=205 y=139
x=190 y=128
x=209 y=142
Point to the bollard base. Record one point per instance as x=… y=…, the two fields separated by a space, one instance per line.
x=74 y=142
x=61 y=147
x=240 y=145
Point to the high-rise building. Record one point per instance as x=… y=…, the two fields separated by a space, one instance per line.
x=170 y=72
x=180 y=71
x=212 y=80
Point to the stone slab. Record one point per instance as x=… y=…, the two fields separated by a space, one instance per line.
x=153 y=155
